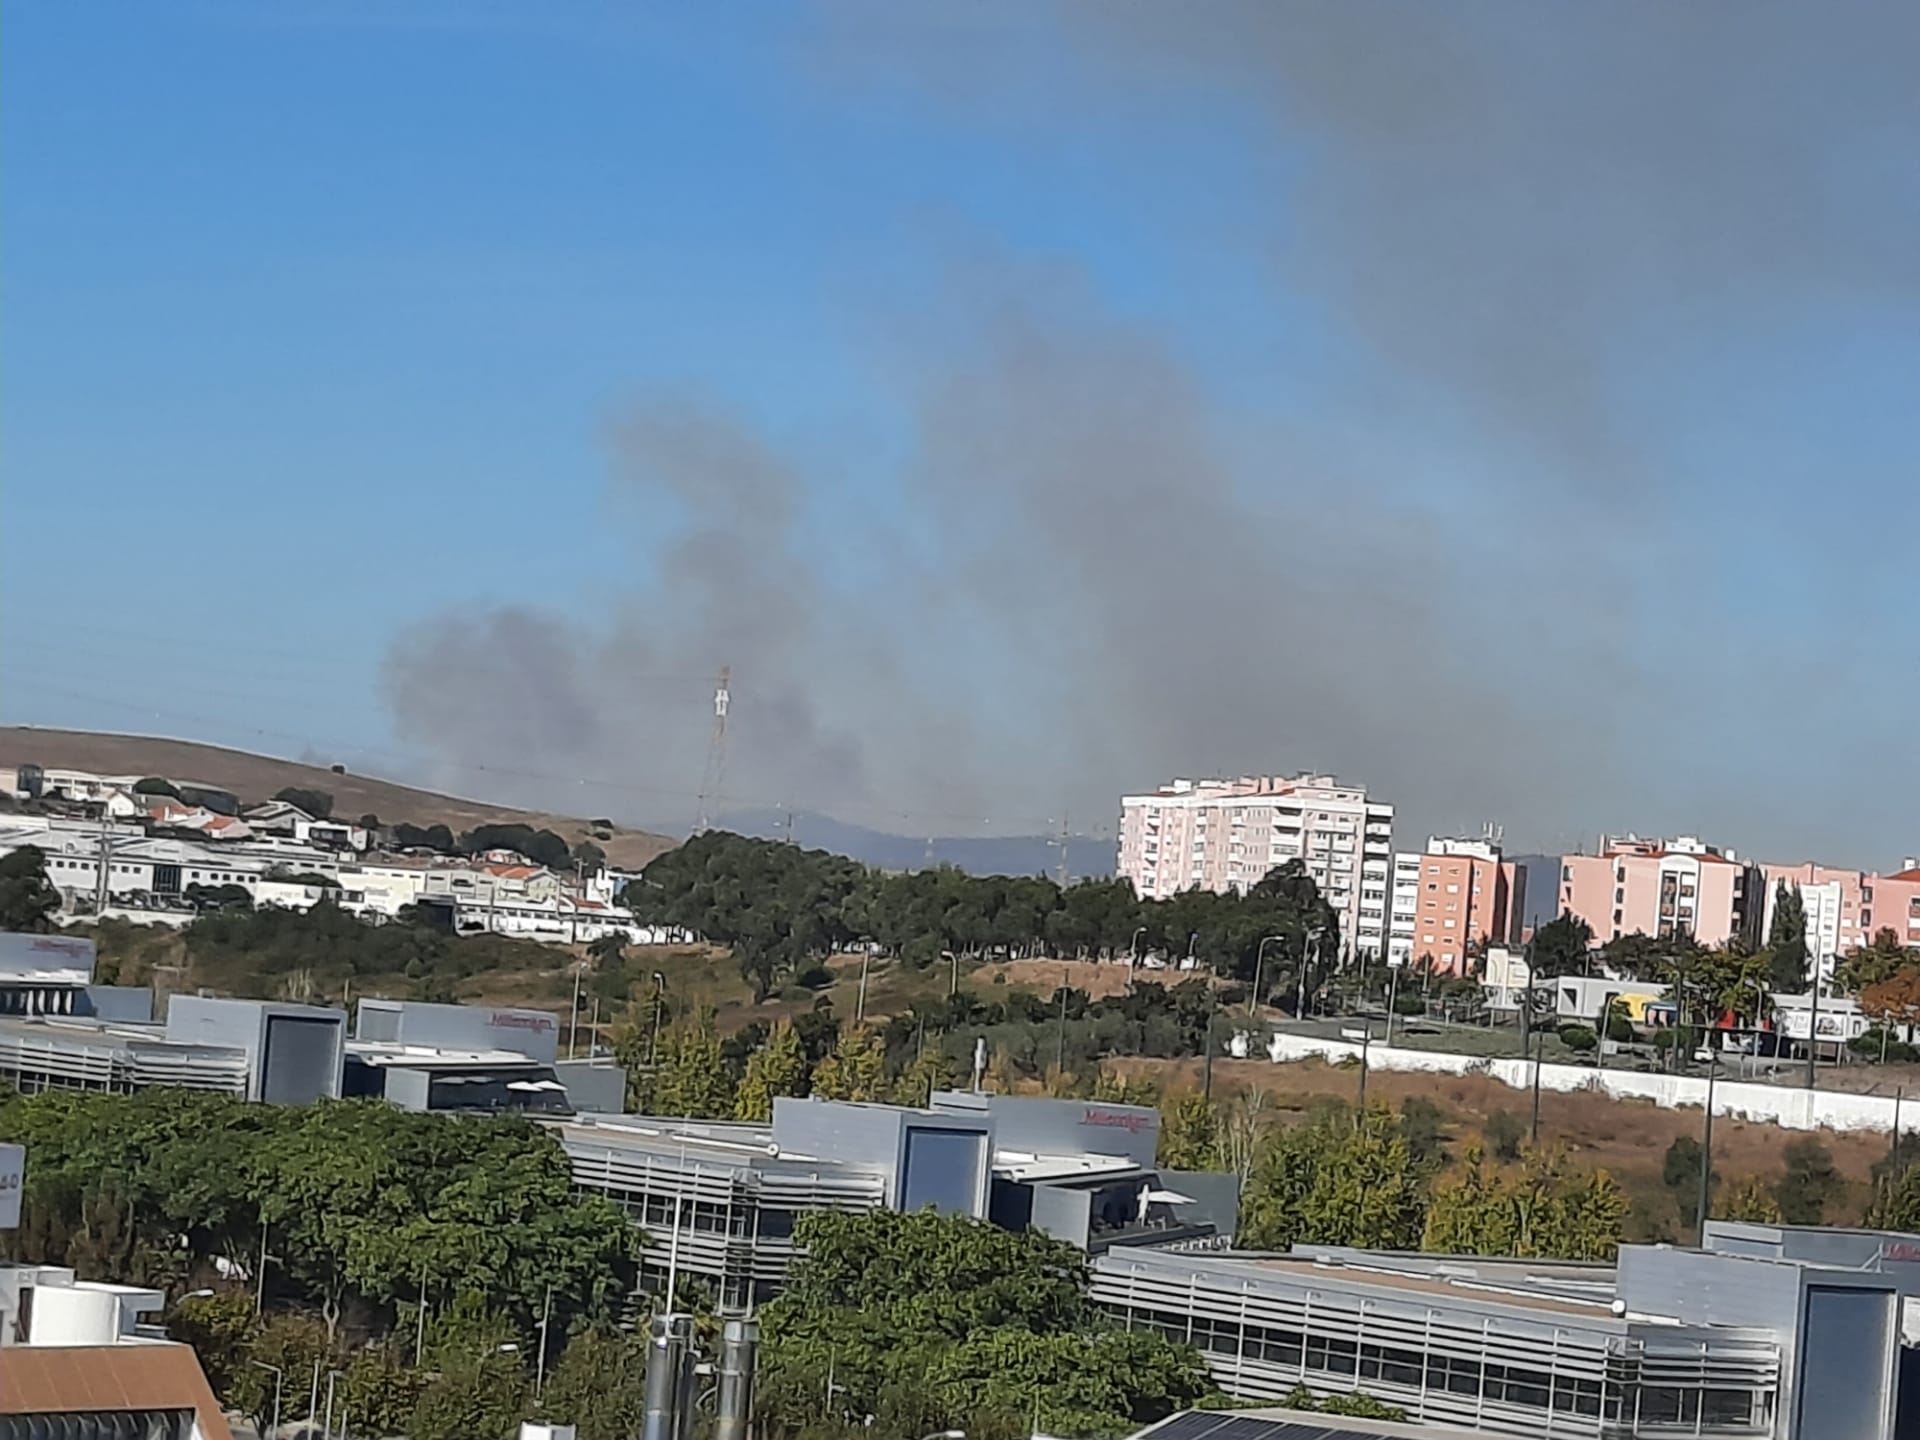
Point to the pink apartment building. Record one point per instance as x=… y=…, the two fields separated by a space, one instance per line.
x=1224 y=835
x=1460 y=893
x=1845 y=908
x=1661 y=887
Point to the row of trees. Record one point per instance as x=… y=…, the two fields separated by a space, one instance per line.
x=782 y=909
x=1378 y=1179
x=687 y=1068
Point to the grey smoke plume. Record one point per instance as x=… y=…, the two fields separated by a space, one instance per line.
x=1485 y=575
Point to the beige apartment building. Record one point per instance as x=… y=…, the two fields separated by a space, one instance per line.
x=1224 y=835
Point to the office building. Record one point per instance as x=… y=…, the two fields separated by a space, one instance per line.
x=721 y=1200
x=79 y=1362
x=1775 y=1331
x=1225 y=835
x=59 y=1031
x=1663 y=887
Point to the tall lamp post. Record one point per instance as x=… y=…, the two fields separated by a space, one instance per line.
x=659 y=1005
x=279 y=1379
x=1312 y=954
x=1706 y=1148
x=1259 y=963
x=1813 y=1027
x=1133 y=947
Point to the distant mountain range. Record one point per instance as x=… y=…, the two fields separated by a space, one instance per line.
x=1087 y=855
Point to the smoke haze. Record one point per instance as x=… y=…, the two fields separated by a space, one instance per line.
x=1473 y=544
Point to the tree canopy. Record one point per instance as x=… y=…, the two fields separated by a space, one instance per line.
x=782 y=909
x=27 y=898
x=930 y=1321
x=362 y=1204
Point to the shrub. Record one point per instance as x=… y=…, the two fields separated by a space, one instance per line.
x=1579 y=1039
x=1409 y=1005
x=1504 y=1131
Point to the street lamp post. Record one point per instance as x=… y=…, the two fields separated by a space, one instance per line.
x=279 y=1378
x=1259 y=963
x=1813 y=1028
x=659 y=1004
x=1706 y=1148
x=1133 y=947
x=953 y=985
x=1539 y=1046
x=1312 y=954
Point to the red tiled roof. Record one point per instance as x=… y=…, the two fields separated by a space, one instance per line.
x=1911 y=875
x=56 y=1379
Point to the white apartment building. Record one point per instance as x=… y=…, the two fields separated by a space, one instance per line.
x=1225 y=835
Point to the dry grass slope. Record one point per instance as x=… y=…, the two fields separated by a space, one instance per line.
x=256 y=777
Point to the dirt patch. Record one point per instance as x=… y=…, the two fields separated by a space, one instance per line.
x=1628 y=1138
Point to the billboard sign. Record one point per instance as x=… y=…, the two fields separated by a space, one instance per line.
x=13 y=1174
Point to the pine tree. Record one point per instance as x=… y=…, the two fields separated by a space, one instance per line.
x=691 y=1078
x=1190 y=1134
x=857 y=1068
x=1751 y=1199
x=1787 y=939
x=777 y=1068
x=918 y=1082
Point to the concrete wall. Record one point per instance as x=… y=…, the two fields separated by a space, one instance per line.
x=1791 y=1107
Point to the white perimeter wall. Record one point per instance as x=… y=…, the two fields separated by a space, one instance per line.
x=1790 y=1106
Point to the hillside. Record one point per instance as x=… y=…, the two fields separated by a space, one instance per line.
x=257 y=777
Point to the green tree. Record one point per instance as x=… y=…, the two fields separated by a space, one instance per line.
x=1680 y=1168
x=220 y=1329
x=477 y=1398
x=590 y=857
x=609 y=951
x=690 y=1078
x=1811 y=1184
x=1336 y=1181
x=1189 y=1133
x=779 y=1067
x=317 y=803
x=379 y=1392
x=599 y=1384
x=856 y=1070
x=27 y=898
x=1896 y=1202
x=1545 y=1210
x=292 y=1344
x=1560 y=947
x=931 y=1071
x=932 y=1318
x=1787 y=940
x=1751 y=1199
x=1505 y=1132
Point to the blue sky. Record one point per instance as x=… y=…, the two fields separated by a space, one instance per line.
x=319 y=319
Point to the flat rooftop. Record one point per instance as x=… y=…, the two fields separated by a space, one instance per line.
x=1307 y=1270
